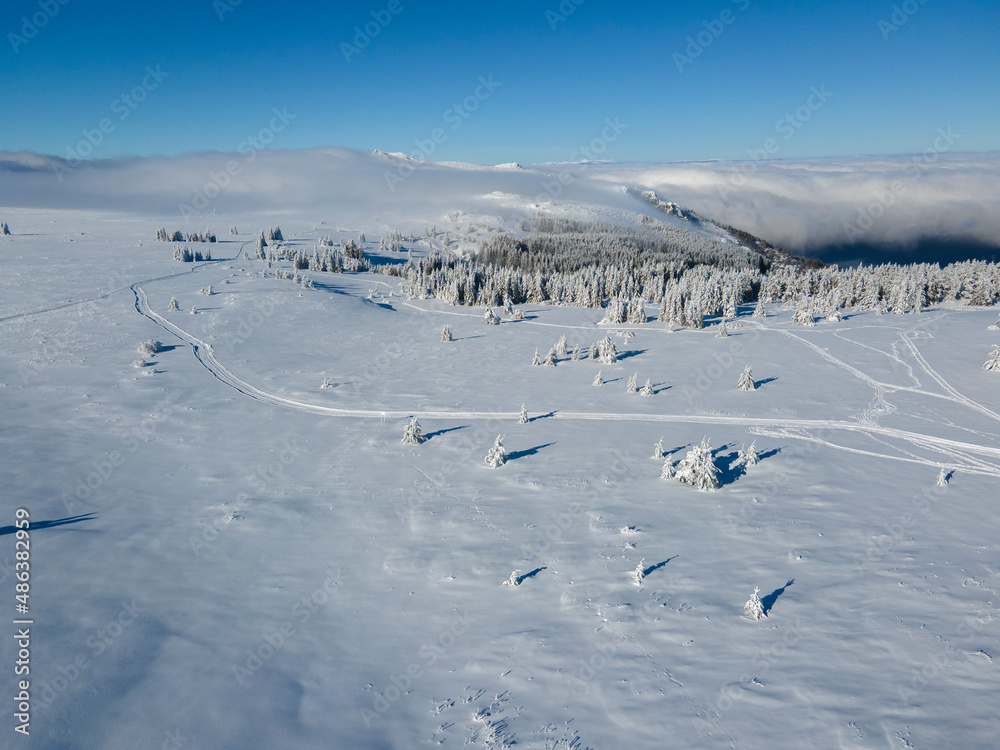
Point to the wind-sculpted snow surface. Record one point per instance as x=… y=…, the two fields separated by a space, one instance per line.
x=233 y=547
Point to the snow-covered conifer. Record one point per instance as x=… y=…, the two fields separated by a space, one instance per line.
x=514 y=580
x=446 y=334
x=149 y=347
x=412 y=433
x=577 y=354
x=523 y=416
x=753 y=608
x=942 y=480
x=759 y=311
x=698 y=468
x=561 y=348
x=174 y=307
x=497 y=455
x=327 y=384
x=598 y=380
x=804 y=315
x=723 y=332
x=640 y=572
x=550 y=358
x=537 y=360
x=993 y=363
x=748 y=456
x=519 y=315
x=633 y=384
x=668 y=471
x=647 y=390
x=746 y=382
x=492 y=319
x=658 y=449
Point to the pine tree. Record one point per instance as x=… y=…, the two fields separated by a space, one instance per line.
x=698 y=468
x=804 y=316
x=658 y=449
x=753 y=608
x=523 y=416
x=993 y=363
x=577 y=354
x=647 y=390
x=748 y=456
x=942 y=480
x=174 y=307
x=633 y=384
x=514 y=580
x=723 y=333
x=640 y=572
x=668 y=471
x=598 y=380
x=497 y=455
x=446 y=334
x=550 y=359
x=492 y=319
x=759 y=311
x=746 y=382
x=561 y=348
x=412 y=433
x=537 y=360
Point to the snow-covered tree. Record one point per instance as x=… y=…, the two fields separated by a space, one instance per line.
x=754 y=609
x=698 y=468
x=746 y=382
x=4 y=229
x=668 y=471
x=577 y=354
x=942 y=480
x=550 y=358
x=804 y=315
x=412 y=433
x=561 y=348
x=523 y=416
x=446 y=334
x=149 y=347
x=598 y=380
x=327 y=384
x=640 y=572
x=647 y=390
x=723 y=331
x=748 y=456
x=759 y=311
x=606 y=351
x=514 y=580
x=537 y=360
x=173 y=307
x=658 y=449
x=993 y=363
x=519 y=315
x=497 y=455
x=492 y=319
x=633 y=384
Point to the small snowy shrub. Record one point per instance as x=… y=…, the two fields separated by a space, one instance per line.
x=523 y=416
x=598 y=380
x=658 y=449
x=746 y=382
x=753 y=608
x=412 y=433
x=639 y=573
x=446 y=334
x=993 y=363
x=514 y=580
x=647 y=390
x=174 y=307
x=149 y=347
x=492 y=319
x=748 y=456
x=723 y=333
x=633 y=384
x=942 y=480
x=497 y=455
x=550 y=359
x=668 y=471
x=537 y=361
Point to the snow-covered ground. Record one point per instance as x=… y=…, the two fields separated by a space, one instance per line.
x=227 y=555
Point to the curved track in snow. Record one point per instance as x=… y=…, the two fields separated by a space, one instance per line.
x=961 y=453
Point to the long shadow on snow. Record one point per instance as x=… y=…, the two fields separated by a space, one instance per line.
x=430 y=435
x=654 y=568
x=765 y=381
x=542 y=416
x=33 y=525
x=768 y=601
x=514 y=455
x=526 y=576
x=630 y=354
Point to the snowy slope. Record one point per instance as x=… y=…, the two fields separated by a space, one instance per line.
x=227 y=555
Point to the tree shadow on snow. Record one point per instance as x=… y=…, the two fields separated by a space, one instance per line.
x=654 y=568
x=768 y=601
x=542 y=416
x=5 y=530
x=661 y=387
x=765 y=381
x=469 y=338
x=630 y=354
x=514 y=455
x=430 y=435
x=729 y=470
x=526 y=576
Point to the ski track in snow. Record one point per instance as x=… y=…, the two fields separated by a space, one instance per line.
x=867 y=423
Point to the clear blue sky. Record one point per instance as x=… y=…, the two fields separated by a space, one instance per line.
x=939 y=69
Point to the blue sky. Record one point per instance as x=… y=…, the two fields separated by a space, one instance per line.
x=683 y=81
